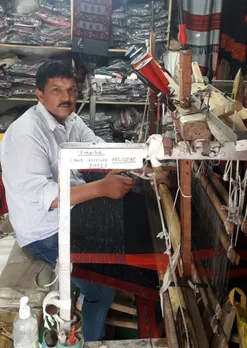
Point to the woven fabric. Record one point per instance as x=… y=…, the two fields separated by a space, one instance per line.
x=203 y=19
x=91 y=26
x=233 y=42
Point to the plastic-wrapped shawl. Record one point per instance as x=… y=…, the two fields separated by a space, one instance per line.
x=117 y=65
x=20 y=39
x=23 y=91
x=53 y=19
x=128 y=120
x=25 y=67
x=102 y=125
x=55 y=36
x=144 y=10
x=118 y=18
x=139 y=23
x=140 y=35
x=27 y=20
x=4 y=93
x=19 y=80
x=25 y=6
x=60 y=7
x=119 y=34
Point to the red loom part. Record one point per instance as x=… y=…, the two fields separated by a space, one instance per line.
x=182 y=35
x=115 y=283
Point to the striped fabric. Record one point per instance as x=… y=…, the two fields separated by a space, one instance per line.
x=202 y=19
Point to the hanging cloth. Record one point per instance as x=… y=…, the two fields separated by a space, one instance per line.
x=233 y=41
x=91 y=26
x=202 y=19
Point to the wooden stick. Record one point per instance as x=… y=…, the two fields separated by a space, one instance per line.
x=214 y=199
x=185 y=73
x=221 y=232
x=169 y=322
x=185 y=214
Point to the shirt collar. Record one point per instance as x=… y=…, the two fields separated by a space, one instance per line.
x=52 y=122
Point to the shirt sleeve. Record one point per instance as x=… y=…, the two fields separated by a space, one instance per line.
x=87 y=135
x=27 y=171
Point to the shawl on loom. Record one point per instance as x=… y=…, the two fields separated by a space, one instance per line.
x=91 y=26
x=233 y=42
x=202 y=19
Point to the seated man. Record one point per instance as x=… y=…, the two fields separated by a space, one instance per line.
x=29 y=156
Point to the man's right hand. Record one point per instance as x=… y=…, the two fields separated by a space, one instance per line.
x=115 y=186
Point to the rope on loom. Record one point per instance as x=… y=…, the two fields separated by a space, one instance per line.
x=172 y=259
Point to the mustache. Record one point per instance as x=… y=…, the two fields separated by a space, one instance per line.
x=66 y=103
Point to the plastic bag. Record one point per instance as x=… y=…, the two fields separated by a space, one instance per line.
x=25 y=6
x=25 y=67
x=53 y=19
x=119 y=34
x=4 y=93
x=19 y=80
x=143 y=10
x=23 y=91
x=27 y=20
x=59 y=7
x=55 y=36
x=137 y=23
x=127 y=121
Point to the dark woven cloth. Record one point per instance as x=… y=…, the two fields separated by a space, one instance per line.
x=91 y=28
x=233 y=42
x=113 y=227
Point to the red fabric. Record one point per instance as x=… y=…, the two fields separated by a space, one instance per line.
x=202 y=23
x=238 y=51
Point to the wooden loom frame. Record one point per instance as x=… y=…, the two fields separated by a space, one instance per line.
x=108 y=156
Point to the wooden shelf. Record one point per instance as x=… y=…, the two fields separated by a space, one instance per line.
x=117 y=50
x=78 y=101
x=46 y=51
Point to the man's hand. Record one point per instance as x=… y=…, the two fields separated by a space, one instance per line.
x=116 y=186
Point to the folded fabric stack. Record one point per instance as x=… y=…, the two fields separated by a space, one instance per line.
x=114 y=124
x=48 y=25
x=119 y=85
x=102 y=123
x=133 y=25
x=21 y=75
x=9 y=116
x=119 y=28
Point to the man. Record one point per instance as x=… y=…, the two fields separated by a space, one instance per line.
x=29 y=153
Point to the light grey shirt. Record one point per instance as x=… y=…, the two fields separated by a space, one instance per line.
x=29 y=155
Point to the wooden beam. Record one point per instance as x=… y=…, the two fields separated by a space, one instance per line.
x=185 y=73
x=130 y=324
x=227 y=321
x=195 y=317
x=169 y=322
x=185 y=214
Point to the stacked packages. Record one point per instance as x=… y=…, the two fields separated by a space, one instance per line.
x=113 y=123
x=115 y=84
x=131 y=25
x=46 y=23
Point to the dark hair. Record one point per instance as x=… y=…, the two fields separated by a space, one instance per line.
x=54 y=68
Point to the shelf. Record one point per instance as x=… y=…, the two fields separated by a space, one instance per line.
x=78 y=101
x=47 y=51
x=117 y=50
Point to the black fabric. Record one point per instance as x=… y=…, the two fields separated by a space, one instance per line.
x=111 y=226
x=233 y=44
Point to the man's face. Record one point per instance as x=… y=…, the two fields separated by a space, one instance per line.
x=59 y=97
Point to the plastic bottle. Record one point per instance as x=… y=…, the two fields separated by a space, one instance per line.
x=25 y=328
